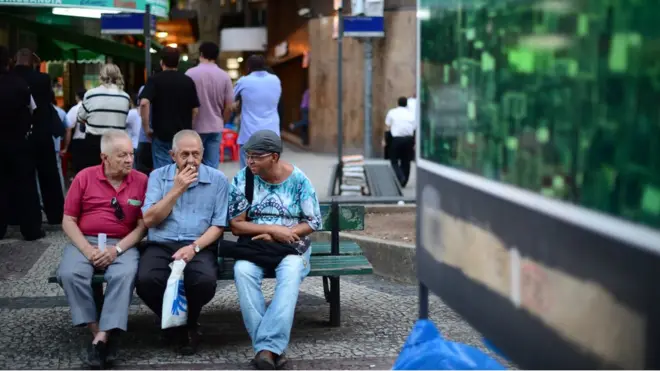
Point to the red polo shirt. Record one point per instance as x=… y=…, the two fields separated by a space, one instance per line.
x=90 y=200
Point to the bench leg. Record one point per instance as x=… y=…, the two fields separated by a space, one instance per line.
x=326 y=288
x=335 y=305
x=98 y=298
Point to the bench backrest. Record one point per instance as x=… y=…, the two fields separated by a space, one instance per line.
x=351 y=217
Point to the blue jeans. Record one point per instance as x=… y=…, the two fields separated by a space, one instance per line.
x=242 y=156
x=270 y=329
x=211 y=143
x=160 y=150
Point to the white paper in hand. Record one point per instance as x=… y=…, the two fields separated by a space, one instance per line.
x=175 y=305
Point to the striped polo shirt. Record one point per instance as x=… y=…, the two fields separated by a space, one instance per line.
x=103 y=108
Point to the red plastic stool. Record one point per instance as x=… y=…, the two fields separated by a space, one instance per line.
x=229 y=140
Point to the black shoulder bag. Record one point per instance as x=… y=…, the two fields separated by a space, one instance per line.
x=249 y=190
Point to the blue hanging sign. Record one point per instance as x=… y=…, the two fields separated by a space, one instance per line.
x=125 y=24
x=361 y=26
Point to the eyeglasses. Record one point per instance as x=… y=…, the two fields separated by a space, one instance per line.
x=119 y=212
x=256 y=156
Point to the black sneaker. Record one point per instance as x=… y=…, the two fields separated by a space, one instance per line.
x=281 y=361
x=190 y=342
x=112 y=348
x=96 y=355
x=264 y=360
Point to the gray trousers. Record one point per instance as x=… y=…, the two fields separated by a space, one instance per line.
x=75 y=276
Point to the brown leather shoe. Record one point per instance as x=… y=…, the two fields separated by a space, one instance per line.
x=264 y=360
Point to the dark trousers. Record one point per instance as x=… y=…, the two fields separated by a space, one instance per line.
x=91 y=151
x=19 y=200
x=50 y=182
x=388 y=145
x=199 y=278
x=401 y=154
x=144 y=163
x=76 y=148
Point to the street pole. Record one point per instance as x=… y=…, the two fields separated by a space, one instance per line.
x=340 y=57
x=368 y=68
x=147 y=39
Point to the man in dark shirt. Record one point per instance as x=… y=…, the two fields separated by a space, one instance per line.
x=43 y=129
x=171 y=98
x=17 y=167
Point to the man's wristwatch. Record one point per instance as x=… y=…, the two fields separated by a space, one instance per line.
x=119 y=250
x=197 y=249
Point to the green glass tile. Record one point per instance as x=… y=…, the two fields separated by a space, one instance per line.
x=567 y=95
x=583 y=25
x=487 y=62
x=618 y=60
x=651 y=200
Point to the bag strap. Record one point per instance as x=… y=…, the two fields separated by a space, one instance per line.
x=249 y=189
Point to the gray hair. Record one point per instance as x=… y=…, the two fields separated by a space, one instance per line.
x=185 y=134
x=111 y=74
x=109 y=139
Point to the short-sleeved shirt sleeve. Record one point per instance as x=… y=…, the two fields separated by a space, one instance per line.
x=238 y=88
x=219 y=218
x=154 y=191
x=238 y=203
x=309 y=205
x=149 y=91
x=194 y=98
x=73 y=201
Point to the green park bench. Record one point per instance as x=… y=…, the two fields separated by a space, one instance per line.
x=329 y=260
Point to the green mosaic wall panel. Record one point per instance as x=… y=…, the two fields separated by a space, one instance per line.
x=351 y=217
x=560 y=97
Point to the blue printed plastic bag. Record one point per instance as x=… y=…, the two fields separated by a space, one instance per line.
x=175 y=305
x=425 y=349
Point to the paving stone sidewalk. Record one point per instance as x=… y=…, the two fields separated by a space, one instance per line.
x=377 y=315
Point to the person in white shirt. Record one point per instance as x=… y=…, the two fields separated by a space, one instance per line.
x=103 y=108
x=74 y=138
x=401 y=124
x=133 y=124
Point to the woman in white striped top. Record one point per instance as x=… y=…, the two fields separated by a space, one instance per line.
x=103 y=108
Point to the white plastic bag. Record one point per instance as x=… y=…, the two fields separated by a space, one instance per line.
x=175 y=305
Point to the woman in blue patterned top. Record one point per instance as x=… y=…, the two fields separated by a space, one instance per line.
x=285 y=210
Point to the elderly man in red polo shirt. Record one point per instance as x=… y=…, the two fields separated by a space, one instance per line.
x=103 y=199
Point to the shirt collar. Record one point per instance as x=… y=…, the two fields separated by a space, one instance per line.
x=100 y=174
x=204 y=175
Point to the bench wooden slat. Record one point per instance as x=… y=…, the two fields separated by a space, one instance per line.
x=345 y=248
x=321 y=260
x=328 y=265
x=351 y=217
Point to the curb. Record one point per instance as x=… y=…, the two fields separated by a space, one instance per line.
x=395 y=261
x=389 y=209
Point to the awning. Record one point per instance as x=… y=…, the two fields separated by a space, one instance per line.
x=55 y=51
x=65 y=35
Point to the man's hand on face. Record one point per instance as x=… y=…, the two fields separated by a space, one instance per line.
x=284 y=234
x=186 y=253
x=105 y=258
x=263 y=237
x=184 y=178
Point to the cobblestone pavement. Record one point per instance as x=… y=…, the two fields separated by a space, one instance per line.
x=376 y=317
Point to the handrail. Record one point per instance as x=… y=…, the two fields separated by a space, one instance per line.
x=368 y=200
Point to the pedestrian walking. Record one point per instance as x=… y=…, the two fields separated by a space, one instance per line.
x=260 y=93
x=17 y=168
x=169 y=103
x=46 y=124
x=216 y=96
x=104 y=108
x=402 y=125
